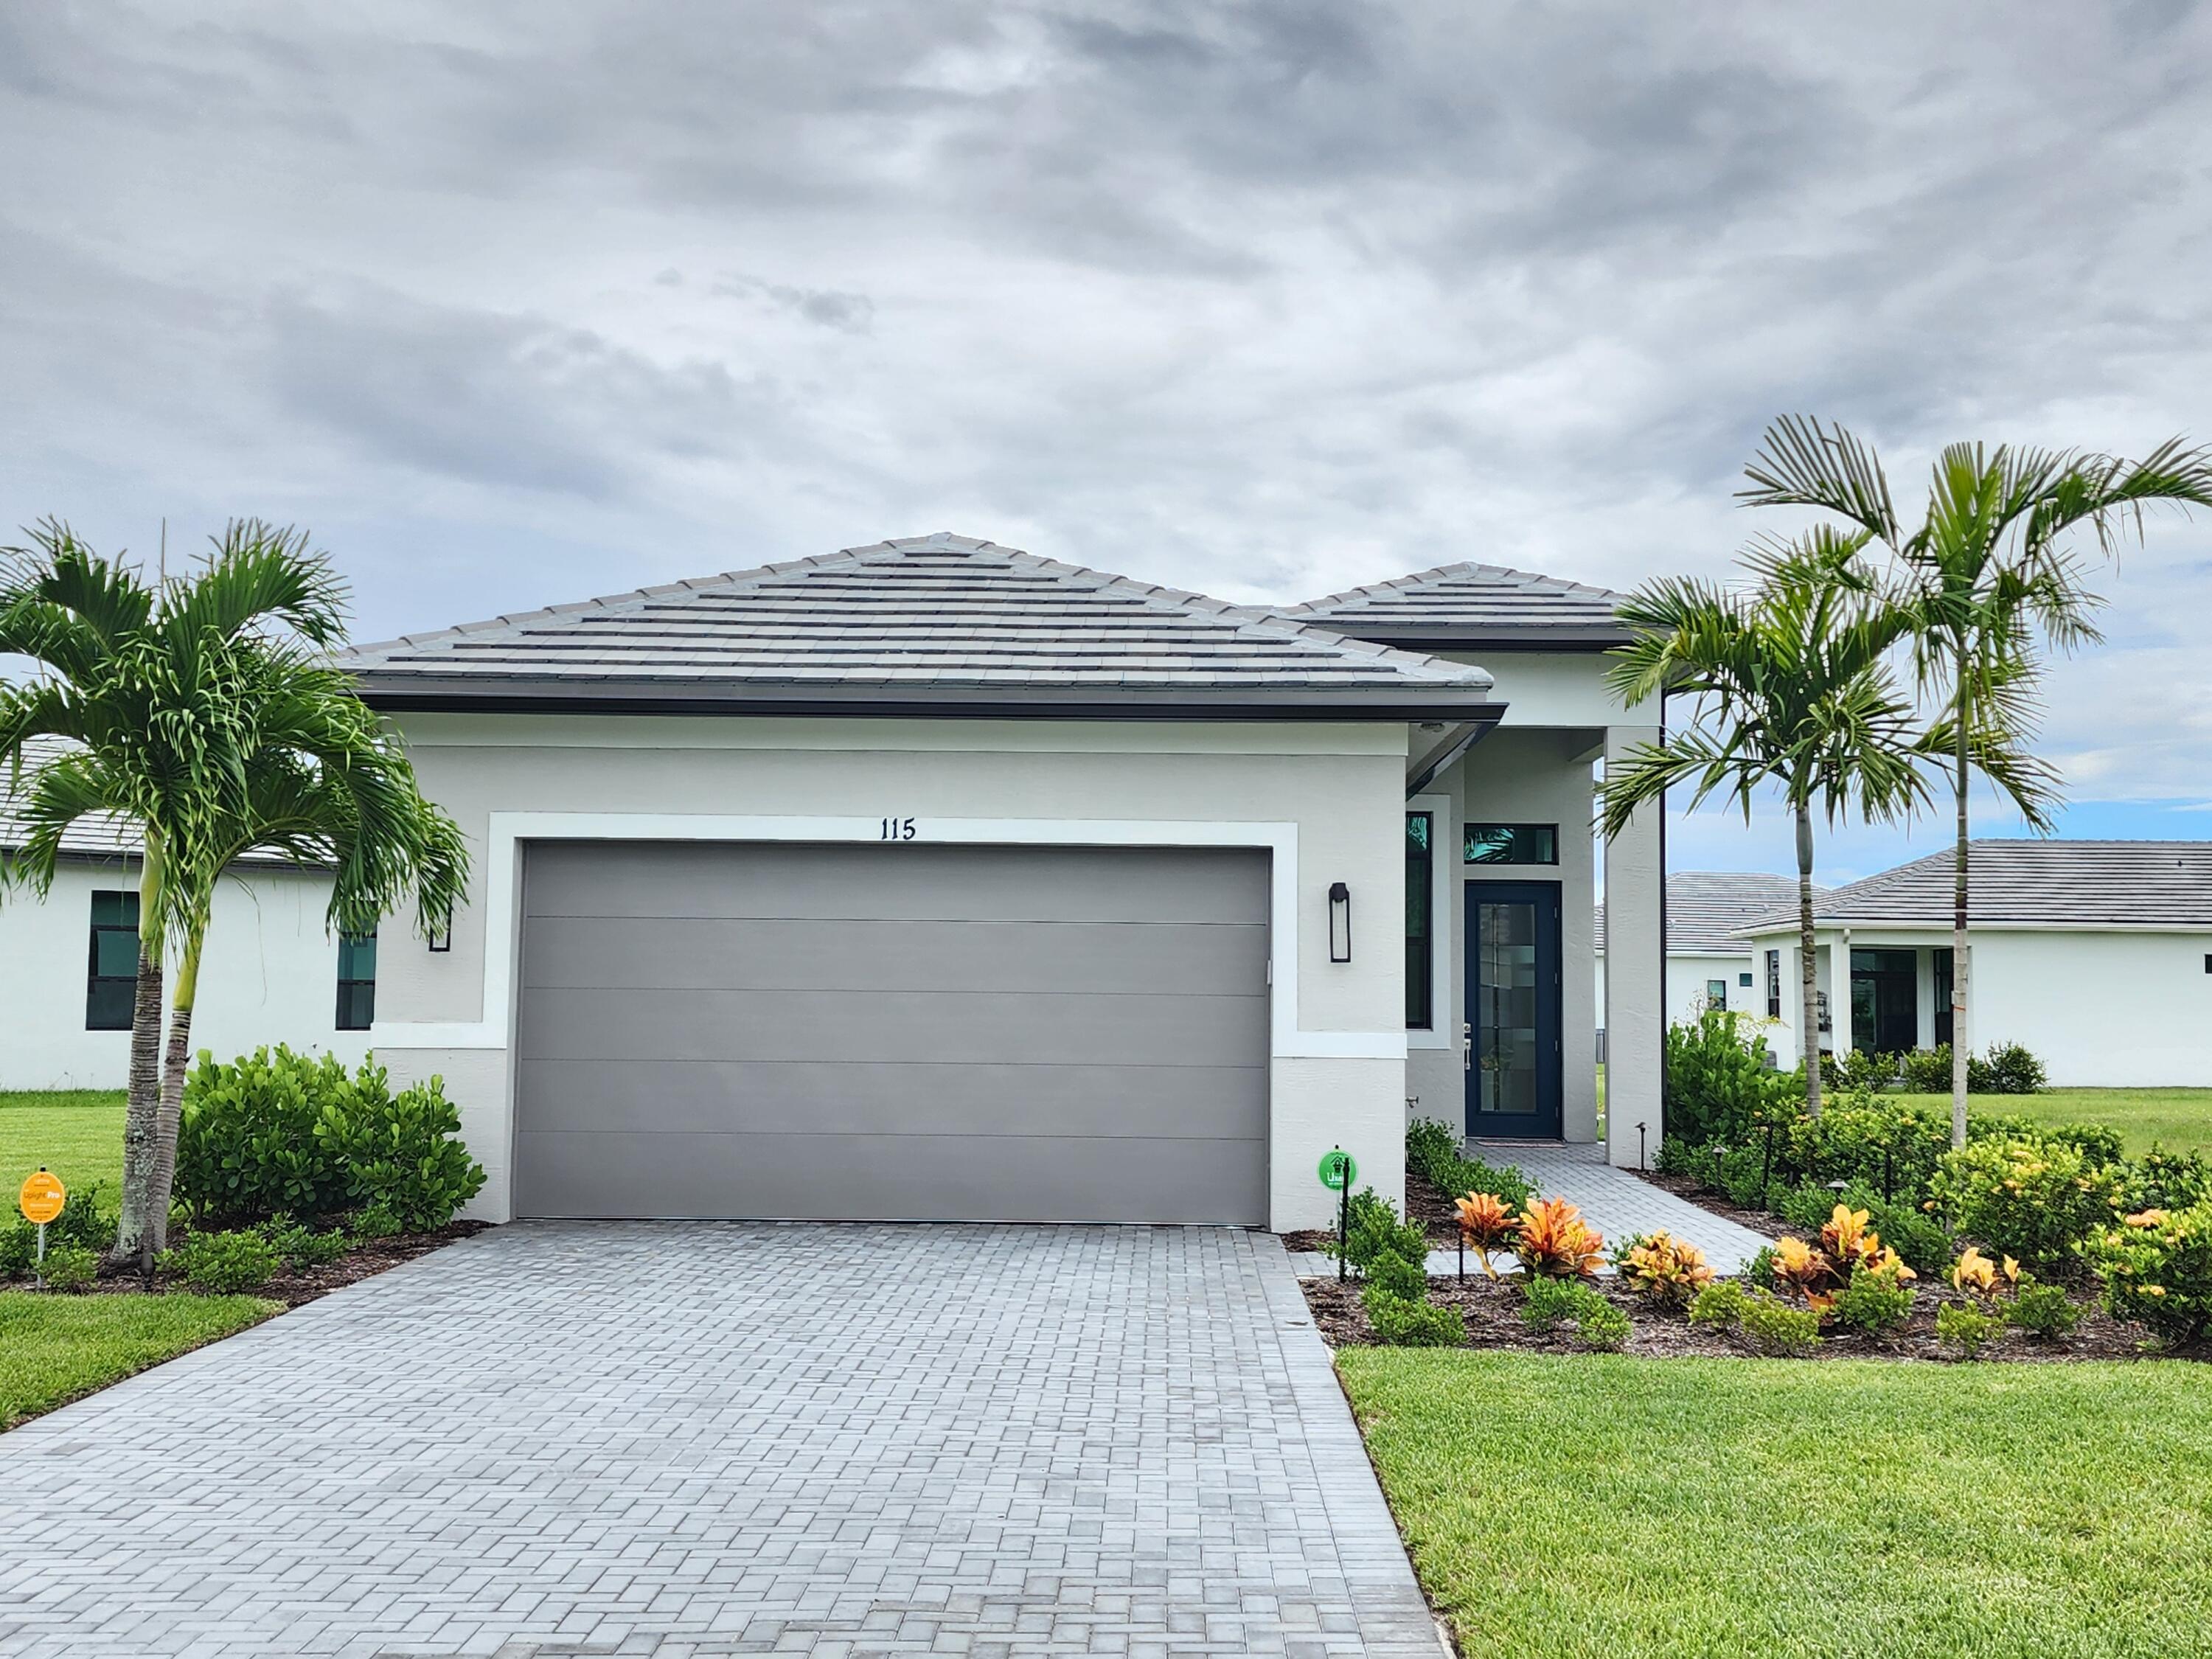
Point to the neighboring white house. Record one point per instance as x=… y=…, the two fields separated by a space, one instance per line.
x=1708 y=966
x=68 y=964
x=2096 y=954
x=936 y=880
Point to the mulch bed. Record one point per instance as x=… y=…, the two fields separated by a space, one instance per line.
x=365 y=1261
x=1492 y=1312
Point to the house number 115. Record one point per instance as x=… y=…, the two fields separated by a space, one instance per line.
x=896 y=829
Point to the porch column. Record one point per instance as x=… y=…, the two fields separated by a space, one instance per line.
x=1840 y=994
x=1635 y=970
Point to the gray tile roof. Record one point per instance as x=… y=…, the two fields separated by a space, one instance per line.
x=1473 y=605
x=1704 y=907
x=2113 y=884
x=101 y=837
x=930 y=621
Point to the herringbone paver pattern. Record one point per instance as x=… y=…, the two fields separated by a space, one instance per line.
x=696 y=1439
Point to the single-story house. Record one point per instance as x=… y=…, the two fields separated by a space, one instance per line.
x=936 y=880
x=68 y=964
x=1707 y=965
x=2095 y=955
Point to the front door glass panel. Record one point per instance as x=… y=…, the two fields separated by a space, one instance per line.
x=1513 y=1052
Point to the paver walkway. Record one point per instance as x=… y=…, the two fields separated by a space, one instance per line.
x=692 y=1439
x=1617 y=1202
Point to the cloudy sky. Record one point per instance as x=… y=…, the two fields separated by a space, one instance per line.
x=514 y=304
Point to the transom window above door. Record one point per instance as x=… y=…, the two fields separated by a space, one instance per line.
x=1512 y=843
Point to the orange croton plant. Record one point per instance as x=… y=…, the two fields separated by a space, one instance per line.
x=1975 y=1274
x=1671 y=1269
x=1486 y=1224
x=1553 y=1242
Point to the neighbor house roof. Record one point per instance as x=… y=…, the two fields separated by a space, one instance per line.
x=1705 y=906
x=95 y=836
x=1470 y=606
x=2054 y=884
x=934 y=624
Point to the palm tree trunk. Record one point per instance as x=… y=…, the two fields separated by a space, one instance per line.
x=1808 y=1013
x=1961 y=963
x=172 y=1080
x=134 y=1233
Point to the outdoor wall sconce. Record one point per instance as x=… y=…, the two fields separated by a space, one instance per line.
x=1339 y=922
x=442 y=935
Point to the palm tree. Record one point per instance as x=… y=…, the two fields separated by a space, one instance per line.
x=186 y=704
x=1988 y=572
x=1791 y=690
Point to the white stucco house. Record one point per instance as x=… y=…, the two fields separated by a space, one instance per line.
x=68 y=964
x=932 y=879
x=2096 y=954
x=1708 y=965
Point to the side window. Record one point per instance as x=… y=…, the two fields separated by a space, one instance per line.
x=111 y=980
x=356 y=982
x=1716 y=995
x=1774 y=985
x=1420 y=869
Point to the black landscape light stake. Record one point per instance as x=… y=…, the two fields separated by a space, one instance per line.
x=1640 y=1163
x=1462 y=1256
x=1343 y=1227
x=1767 y=1170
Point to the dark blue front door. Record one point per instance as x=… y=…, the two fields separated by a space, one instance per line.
x=1512 y=980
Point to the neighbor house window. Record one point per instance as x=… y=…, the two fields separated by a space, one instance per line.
x=356 y=982
x=1744 y=980
x=1939 y=970
x=1717 y=995
x=112 y=981
x=1512 y=843
x=1774 y=985
x=1420 y=867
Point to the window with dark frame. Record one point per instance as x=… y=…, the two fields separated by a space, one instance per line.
x=1512 y=843
x=356 y=982
x=1744 y=980
x=112 y=975
x=1717 y=995
x=1939 y=974
x=1774 y=985
x=1420 y=887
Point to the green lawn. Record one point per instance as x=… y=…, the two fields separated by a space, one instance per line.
x=2180 y=1120
x=53 y=1348
x=76 y=1132
x=1613 y=1508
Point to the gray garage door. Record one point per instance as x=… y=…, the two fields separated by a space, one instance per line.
x=917 y=1032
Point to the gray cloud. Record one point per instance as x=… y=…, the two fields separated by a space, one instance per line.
x=1266 y=299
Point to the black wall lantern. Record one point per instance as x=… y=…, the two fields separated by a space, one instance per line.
x=1339 y=922
x=441 y=934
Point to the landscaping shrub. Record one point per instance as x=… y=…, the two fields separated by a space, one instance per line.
x=1552 y=1241
x=2160 y=1180
x=1774 y=1327
x=1720 y=1304
x=1405 y=1324
x=1927 y=1070
x=1671 y=1271
x=280 y=1133
x=222 y=1264
x=2036 y=1200
x=2007 y=1069
x=1718 y=1084
x=1876 y=1300
x=1394 y=1275
x=1861 y=1137
x=299 y=1246
x=376 y=1222
x=69 y=1267
x=1921 y=1244
x=1547 y=1301
x=2044 y=1310
x=1372 y=1230
x=2157 y=1265
x=1432 y=1152
x=81 y=1222
x=1602 y=1327
x=1859 y=1070
x=1963 y=1330
x=1760 y=1269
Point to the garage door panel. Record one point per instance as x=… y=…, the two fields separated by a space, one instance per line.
x=835 y=1097
x=579 y=952
x=811 y=1177
x=924 y=1032
x=899 y=883
x=1027 y=1028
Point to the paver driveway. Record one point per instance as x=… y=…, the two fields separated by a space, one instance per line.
x=676 y=1439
